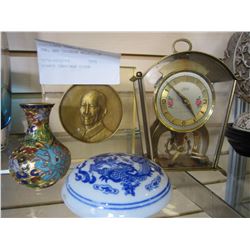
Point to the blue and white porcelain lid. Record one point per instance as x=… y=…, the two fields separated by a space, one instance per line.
x=116 y=185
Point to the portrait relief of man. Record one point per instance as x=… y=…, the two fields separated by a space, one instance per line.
x=93 y=108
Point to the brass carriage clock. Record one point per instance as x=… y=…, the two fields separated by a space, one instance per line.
x=192 y=98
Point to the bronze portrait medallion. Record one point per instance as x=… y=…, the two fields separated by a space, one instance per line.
x=90 y=113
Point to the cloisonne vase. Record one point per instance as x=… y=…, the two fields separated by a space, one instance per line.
x=41 y=160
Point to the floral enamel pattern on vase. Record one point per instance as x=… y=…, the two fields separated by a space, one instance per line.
x=116 y=185
x=41 y=160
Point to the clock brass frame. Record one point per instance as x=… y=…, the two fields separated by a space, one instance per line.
x=180 y=148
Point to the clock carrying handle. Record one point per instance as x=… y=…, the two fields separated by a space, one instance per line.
x=181 y=40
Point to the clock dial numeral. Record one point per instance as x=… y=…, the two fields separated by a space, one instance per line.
x=174 y=120
x=204 y=109
x=204 y=101
x=201 y=113
x=204 y=92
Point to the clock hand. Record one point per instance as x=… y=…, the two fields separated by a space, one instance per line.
x=184 y=100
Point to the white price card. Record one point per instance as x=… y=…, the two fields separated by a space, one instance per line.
x=63 y=64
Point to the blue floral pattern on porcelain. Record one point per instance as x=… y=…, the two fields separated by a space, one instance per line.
x=118 y=168
x=154 y=183
x=116 y=185
x=106 y=189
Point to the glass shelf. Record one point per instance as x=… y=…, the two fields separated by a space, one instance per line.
x=190 y=197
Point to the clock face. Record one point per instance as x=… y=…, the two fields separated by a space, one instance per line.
x=184 y=101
